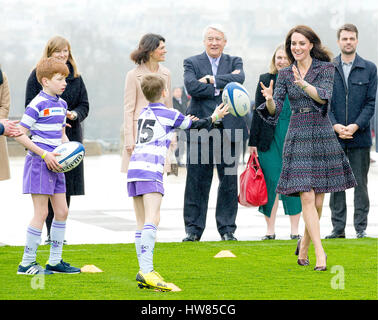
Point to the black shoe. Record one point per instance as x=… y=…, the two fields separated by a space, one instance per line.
x=228 y=236
x=361 y=234
x=269 y=237
x=334 y=235
x=191 y=237
x=295 y=236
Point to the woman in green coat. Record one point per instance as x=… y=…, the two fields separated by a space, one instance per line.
x=267 y=141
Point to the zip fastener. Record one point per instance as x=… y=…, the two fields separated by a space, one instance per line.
x=346 y=107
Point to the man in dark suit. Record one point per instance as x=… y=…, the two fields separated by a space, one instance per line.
x=205 y=76
x=180 y=102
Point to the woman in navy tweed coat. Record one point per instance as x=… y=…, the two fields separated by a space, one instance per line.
x=313 y=160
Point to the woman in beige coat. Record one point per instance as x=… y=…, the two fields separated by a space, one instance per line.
x=151 y=51
x=4 y=111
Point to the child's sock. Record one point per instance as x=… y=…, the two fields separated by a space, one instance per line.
x=147 y=247
x=33 y=239
x=138 y=236
x=58 y=230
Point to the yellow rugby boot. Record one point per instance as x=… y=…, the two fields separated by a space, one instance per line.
x=152 y=280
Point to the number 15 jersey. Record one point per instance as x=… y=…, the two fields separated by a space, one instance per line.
x=156 y=124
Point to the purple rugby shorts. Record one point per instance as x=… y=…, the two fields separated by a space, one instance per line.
x=138 y=188
x=40 y=180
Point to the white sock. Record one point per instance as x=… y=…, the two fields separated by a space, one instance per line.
x=57 y=233
x=147 y=247
x=138 y=238
x=33 y=239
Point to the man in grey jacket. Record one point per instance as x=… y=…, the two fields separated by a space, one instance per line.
x=352 y=107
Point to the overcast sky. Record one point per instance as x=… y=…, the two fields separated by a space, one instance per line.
x=103 y=33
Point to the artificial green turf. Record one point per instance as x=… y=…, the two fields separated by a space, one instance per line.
x=261 y=270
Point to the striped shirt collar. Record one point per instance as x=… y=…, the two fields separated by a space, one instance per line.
x=156 y=104
x=47 y=96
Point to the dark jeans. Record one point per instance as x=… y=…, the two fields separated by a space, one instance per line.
x=359 y=159
x=50 y=215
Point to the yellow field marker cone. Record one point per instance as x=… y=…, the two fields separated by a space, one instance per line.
x=225 y=254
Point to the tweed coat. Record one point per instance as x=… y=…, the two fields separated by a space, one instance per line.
x=312 y=157
x=77 y=99
x=4 y=111
x=134 y=102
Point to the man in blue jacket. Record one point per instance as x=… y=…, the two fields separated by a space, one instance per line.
x=352 y=107
x=205 y=76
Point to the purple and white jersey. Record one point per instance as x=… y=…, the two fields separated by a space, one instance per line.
x=156 y=124
x=45 y=117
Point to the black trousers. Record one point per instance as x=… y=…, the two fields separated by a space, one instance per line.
x=359 y=159
x=198 y=183
x=50 y=215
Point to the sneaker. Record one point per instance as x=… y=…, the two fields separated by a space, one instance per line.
x=32 y=269
x=62 y=267
x=151 y=280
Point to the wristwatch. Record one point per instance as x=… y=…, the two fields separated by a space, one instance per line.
x=74 y=113
x=208 y=79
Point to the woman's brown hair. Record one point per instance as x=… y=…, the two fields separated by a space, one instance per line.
x=318 y=51
x=147 y=44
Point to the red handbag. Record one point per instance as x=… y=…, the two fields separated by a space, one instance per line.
x=253 y=192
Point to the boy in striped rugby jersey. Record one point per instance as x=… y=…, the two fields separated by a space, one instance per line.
x=45 y=118
x=156 y=124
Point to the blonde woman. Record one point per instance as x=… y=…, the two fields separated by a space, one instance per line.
x=76 y=97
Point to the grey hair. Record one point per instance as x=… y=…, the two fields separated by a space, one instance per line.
x=215 y=26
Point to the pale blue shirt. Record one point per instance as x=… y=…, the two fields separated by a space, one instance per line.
x=214 y=67
x=346 y=69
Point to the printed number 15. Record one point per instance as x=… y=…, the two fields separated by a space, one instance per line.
x=145 y=131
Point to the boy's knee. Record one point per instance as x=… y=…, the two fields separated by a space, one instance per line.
x=61 y=214
x=43 y=214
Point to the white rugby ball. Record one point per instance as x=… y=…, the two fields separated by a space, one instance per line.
x=237 y=98
x=71 y=154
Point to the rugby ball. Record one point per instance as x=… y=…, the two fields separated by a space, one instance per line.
x=237 y=98
x=71 y=154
